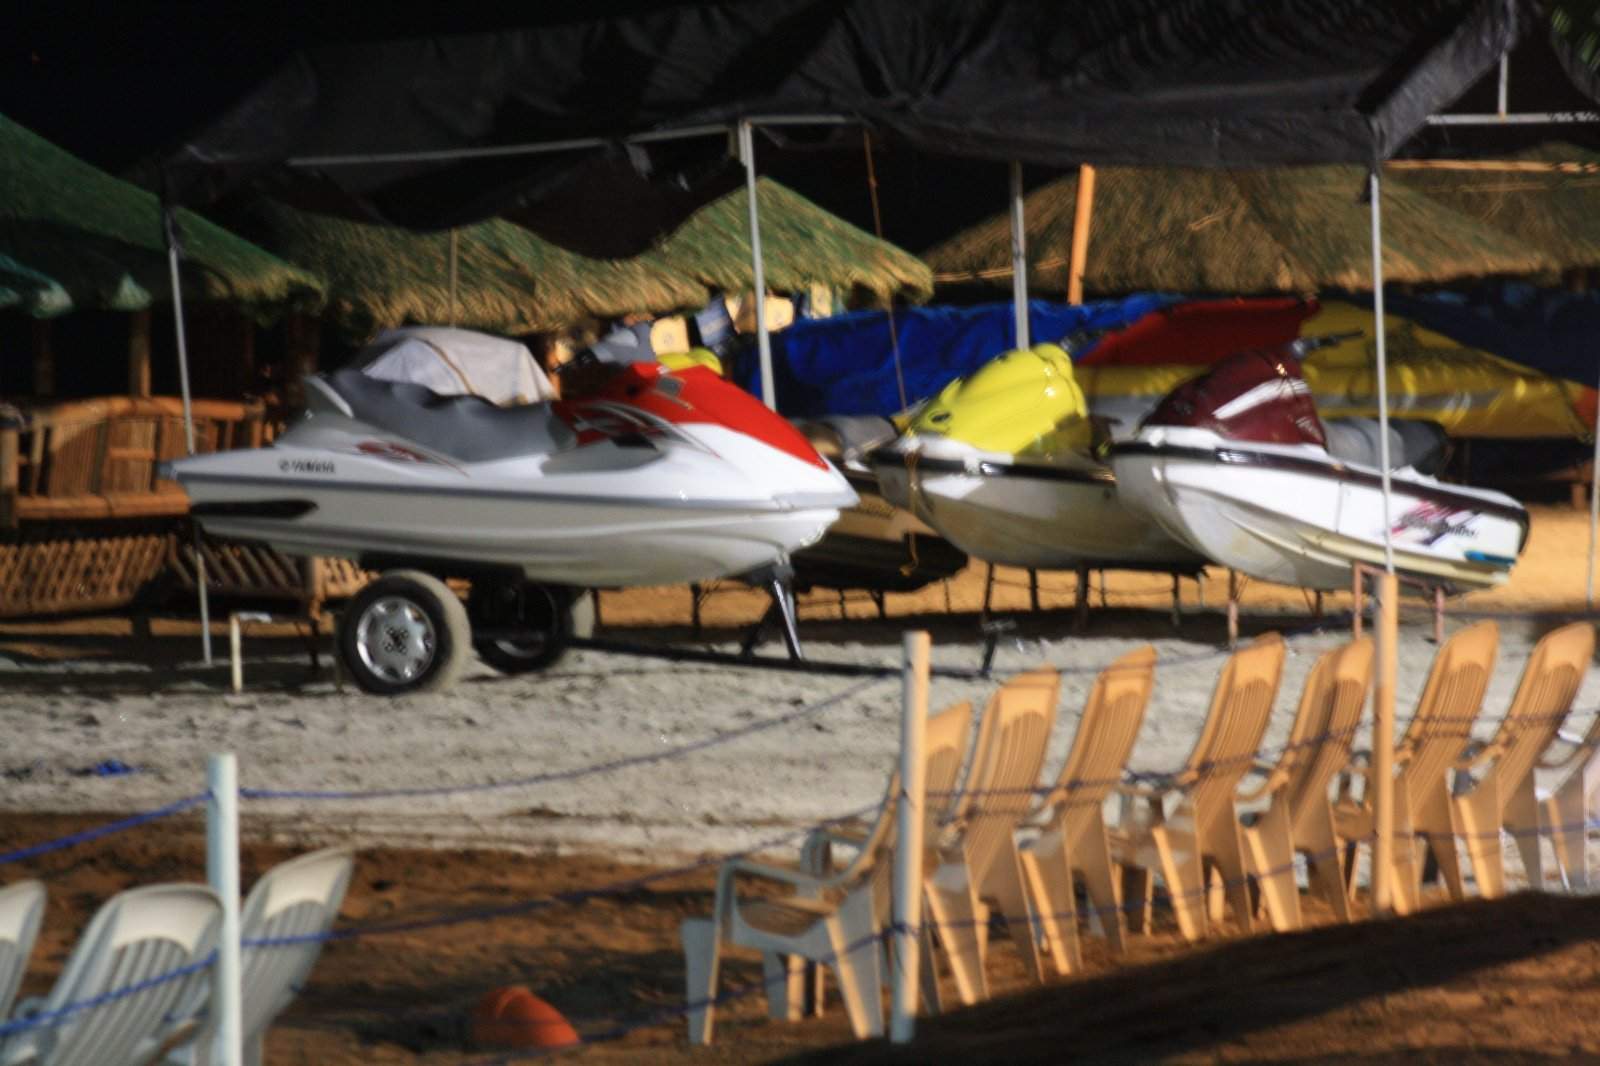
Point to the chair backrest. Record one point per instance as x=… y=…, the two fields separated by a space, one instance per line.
x=21 y=913
x=1448 y=706
x=282 y=924
x=1325 y=724
x=1231 y=735
x=1005 y=765
x=1106 y=734
x=948 y=737
x=135 y=940
x=1549 y=686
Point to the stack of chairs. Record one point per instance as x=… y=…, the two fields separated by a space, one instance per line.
x=1224 y=836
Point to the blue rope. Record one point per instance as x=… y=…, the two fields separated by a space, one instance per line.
x=84 y=837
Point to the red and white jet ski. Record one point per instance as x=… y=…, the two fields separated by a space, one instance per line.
x=1236 y=464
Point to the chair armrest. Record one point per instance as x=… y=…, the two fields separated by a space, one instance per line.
x=1476 y=753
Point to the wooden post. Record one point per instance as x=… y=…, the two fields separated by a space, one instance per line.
x=139 y=353
x=1033 y=588
x=44 y=359
x=1080 y=234
x=1233 y=608
x=1357 y=601
x=10 y=460
x=1080 y=602
x=1383 y=743
x=908 y=855
x=1438 y=615
x=304 y=339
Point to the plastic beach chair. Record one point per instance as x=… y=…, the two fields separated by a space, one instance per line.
x=978 y=861
x=1201 y=830
x=1299 y=812
x=945 y=745
x=21 y=913
x=282 y=925
x=145 y=952
x=1502 y=793
x=1566 y=812
x=1438 y=733
x=1074 y=841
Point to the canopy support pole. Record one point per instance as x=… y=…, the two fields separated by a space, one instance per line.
x=1594 y=514
x=747 y=153
x=1019 y=259
x=1081 y=219
x=454 y=249
x=171 y=227
x=1388 y=602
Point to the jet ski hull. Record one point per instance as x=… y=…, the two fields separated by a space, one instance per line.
x=1292 y=514
x=1036 y=515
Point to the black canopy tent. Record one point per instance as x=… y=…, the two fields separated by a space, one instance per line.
x=438 y=132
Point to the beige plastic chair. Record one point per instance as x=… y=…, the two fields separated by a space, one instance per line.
x=978 y=859
x=1503 y=794
x=134 y=940
x=1202 y=830
x=1448 y=706
x=21 y=913
x=831 y=918
x=296 y=903
x=1074 y=842
x=1299 y=813
x=1567 y=811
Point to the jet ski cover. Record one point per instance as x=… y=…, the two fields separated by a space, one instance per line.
x=1255 y=396
x=453 y=362
x=465 y=428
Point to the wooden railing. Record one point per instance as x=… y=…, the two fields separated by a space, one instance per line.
x=97 y=458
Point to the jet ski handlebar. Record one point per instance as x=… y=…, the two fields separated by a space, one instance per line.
x=1304 y=346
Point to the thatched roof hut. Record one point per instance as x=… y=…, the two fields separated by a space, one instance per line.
x=74 y=237
x=801 y=245
x=1547 y=197
x=1289 y=230
x=508 y=280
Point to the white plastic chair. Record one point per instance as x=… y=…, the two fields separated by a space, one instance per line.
x=134 y=941
x=21 y=912
x=296 y=901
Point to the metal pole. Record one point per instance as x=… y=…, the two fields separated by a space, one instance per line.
x=1505 y=83
x=1383 y=364
x=170 y=219
x=1019 y=259
x=222 y=871
x=1388 y=602
x=1594 y=513
x=908 y=852
x=454 y=234
x=747 y=153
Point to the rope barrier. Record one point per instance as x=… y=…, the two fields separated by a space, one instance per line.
x=625 y=762
x=131 y=822
x=49 y=1018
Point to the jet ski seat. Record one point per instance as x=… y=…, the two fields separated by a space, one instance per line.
x=468 y=428
x=1419 y=445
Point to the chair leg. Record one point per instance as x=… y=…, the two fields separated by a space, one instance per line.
x=1138 y=898
x=1102 y=886
x=1567 y=816
x=1408 y=851
x=700 y=936
x=1323 y=864
x=1053 y=903
x=1478 y=815
x=1184 y=873
x=1435 y=822
x=853 y=936
x=956 y=918
x=1227 y=851
x=1010 y=892
x=255 y=1049
x=1522 y=819
x=785 y=979
x=928 y=973
x=1270 y=849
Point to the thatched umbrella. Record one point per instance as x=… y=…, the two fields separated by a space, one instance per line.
x=1292 y=230
x=508 y=280
x=74 y=237
x=801 y=245
x=1548 y=197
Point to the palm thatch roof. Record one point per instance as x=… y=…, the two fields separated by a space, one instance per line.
x=801 y=245
x=1289 y=230
x=73 y=236
x=1548 y=197
x=507 y=279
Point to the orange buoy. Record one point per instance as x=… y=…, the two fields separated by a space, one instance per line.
x=515 y=1017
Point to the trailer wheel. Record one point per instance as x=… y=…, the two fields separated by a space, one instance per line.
x=533 y=625
x=405 y=632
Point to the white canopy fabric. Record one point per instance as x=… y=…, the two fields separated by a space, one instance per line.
x=453 y=362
